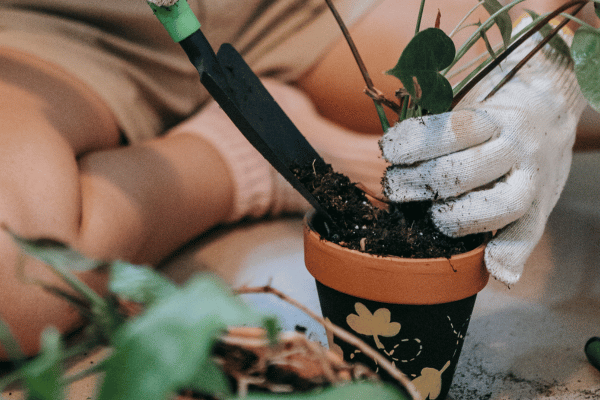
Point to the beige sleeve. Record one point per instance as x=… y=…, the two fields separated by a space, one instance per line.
x=121 y=51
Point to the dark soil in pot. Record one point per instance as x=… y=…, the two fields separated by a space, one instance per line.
x=403 y=230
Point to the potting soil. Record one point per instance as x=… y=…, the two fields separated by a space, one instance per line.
x=403 y=230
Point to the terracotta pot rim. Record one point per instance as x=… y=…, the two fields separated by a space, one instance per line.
x=467 y=254
x=393 y=279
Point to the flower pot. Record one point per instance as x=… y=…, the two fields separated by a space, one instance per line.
x=414 y=311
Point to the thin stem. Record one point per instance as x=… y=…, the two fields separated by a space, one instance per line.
x=473 y=62
x=580 y=22
x=10 y=378
x=476 y=35
x=361 y=65
x=458 y=26
x=418 y=26
x=469 y=77
x=66 y=355
x=81 y=348
x=476 y=70
x=404 y=111
x=10 y=344
x=357 y=57
x=342 y=334
x=385 y=124
x=98 y=367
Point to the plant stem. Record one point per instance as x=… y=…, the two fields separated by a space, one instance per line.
x=404 y=111
x=385 y=124
x=473 y=62
x=76 y=284
x=353 y=49
x=458 y=26
x=418 y=27
x=10 y=378
x=577 y=20
x=98 y=367
x=361 y=65
x=476 y=70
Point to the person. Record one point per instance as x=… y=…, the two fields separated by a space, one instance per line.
x=111 y=145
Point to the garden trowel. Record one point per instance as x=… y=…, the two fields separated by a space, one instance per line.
x=242 y=96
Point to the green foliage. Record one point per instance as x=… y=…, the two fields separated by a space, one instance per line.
x=139 y=284
x=10 y=345
x=424 y=62
x=169 y=346
x=43 y=375
x=55 y=254
x=430 y=51
x=501 y=19
x=556 y=42
x=585 y=51
x=63 y=261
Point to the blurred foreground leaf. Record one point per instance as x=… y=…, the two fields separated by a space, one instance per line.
x=138 y=283
x=169 y=346
x=43 y=375
x=55 y=253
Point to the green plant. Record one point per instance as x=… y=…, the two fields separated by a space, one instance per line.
x=430 y=58
x=165 y=348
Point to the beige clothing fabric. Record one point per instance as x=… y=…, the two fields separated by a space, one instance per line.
x=119 y=48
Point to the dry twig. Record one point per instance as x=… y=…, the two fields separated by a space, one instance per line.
x=343 y=334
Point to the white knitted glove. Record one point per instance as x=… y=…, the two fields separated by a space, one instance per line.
x=499 y=164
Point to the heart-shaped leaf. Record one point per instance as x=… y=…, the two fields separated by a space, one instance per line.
x=430 y=51
x=585 y=52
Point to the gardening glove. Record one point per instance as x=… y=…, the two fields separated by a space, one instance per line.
x=498 y=164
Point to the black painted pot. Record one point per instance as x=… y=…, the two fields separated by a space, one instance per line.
x=415 y=312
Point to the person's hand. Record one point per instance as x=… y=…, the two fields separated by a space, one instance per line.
x=498 y=164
